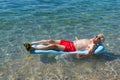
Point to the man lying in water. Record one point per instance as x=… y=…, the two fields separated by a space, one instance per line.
x=68 y=46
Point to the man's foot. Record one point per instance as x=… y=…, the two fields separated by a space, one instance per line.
x=28 y=46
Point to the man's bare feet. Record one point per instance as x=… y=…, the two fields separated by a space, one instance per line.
x=27 y=46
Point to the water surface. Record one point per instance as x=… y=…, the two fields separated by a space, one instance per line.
x=32 y=20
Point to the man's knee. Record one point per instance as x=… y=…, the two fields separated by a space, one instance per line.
x=54 y=46
x=52 y=41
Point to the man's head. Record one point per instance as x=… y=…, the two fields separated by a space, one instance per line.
x=99 y=38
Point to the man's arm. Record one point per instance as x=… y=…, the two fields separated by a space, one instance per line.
x=90 y=49
x=89 y=52
x=76 y=38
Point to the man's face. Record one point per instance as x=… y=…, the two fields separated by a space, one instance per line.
x=99 y=38
x=96 y=39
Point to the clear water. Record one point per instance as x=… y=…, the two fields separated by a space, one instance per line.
x=32 y=20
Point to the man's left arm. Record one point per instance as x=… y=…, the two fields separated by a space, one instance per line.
x=90 y=49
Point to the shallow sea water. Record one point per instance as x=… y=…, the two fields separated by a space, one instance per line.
x=32 y=20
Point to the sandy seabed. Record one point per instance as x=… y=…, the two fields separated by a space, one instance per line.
x=31 y=68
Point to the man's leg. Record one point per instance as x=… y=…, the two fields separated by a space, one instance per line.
x=50 y=41
x=50 y=47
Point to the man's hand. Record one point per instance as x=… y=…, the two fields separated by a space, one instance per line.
x=76 y=38
x=81 y=56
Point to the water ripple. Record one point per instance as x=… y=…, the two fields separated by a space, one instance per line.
x=31 y=20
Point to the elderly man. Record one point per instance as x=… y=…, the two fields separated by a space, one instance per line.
x=66 y=45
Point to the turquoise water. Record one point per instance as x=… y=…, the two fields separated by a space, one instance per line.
x=32 y=20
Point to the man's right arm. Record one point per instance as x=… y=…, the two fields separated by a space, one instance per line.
x=76 y=38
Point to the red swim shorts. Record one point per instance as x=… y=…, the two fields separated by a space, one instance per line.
x=69 y=45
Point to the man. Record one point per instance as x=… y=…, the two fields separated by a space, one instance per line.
x=65 y=45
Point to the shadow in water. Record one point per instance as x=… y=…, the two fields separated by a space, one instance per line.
x=109 y=56
x=52 y=58
x=48 y=58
